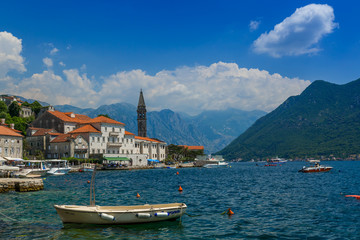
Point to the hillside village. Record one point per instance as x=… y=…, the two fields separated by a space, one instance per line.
x=54 y=135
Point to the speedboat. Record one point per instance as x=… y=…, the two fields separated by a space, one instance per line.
x=315 y=167
x=216 y=164
x=94 y=214
x=275 y=162
x=57 y=167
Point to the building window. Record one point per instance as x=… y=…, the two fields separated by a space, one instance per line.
x=105 y=129
x=80 y=140
x=103 y=139
x=98 y=139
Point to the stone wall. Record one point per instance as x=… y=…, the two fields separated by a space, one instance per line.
x=21 y=185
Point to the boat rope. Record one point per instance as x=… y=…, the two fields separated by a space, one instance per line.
x=192 y=215
x=7 y=217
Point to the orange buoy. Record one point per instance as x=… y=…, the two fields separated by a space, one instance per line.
x=88 y=181
x=355 y=196
x=137 y=195
x=229 y=212
x=177 y=173
x=180 y=189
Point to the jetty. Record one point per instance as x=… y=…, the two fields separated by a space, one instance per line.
x=21 y=184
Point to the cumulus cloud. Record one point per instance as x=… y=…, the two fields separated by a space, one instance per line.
x=194 y=89
x=185 y=89
x=54 y=51
x=253 y=25
x=10 y=54
x=48 y=62
x=62 y=64
x=299 y=33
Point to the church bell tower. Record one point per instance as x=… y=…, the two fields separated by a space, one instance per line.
x=141 y=116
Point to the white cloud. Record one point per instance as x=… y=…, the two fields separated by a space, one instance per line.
x=299 y=33
x=10 y=54
x=54 y=51
x=186 y=89
x=194 y=89
x=48 y=62
x=253 y=25
x=62 y=64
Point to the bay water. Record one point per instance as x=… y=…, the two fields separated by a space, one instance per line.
x=268 y=203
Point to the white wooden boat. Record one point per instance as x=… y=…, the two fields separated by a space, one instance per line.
x=57 y=167
x=120 y=214
x=94 y=214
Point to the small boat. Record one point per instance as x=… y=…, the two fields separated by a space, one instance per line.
x=94 y=214
x=87 y=167
x=57 y=167
x=216 y=164
x=32 y=168
x=315 y=167
x=275 y=162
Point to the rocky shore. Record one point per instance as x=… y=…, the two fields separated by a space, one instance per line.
x=21 y=184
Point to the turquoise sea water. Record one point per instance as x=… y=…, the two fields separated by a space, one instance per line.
x=268 y=202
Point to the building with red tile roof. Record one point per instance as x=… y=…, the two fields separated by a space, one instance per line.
x=194 y=148
x=68 y=145
x=11 y=143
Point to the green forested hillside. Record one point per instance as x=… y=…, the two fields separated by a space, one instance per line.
x=323 y=120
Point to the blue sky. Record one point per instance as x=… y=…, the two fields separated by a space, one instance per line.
x=188 y=56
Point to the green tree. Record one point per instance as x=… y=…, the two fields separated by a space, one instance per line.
x=36 y=107
x=14 y=109
x=3 y=107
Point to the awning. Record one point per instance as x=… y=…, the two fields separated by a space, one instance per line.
x=117 y=158
x=2 y=159
x=153 y=160
x=14 y=159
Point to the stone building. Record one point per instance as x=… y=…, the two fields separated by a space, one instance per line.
x=68 y=145
x=39 y=139
x=11 y=143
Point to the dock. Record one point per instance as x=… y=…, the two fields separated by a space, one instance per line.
x=21 y=184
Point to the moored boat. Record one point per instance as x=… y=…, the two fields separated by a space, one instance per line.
x=275 y=162
x=315 y=167
x=57 y=167
x=216 y=164
x=120 y=214
x=32 y=168
x=94 y=214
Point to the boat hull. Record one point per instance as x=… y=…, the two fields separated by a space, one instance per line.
x=315 y=169
x=120 y=214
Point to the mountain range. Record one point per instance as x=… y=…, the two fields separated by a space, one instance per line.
x=211 y=129
x=324 y=120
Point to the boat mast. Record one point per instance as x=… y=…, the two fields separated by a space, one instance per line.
x=92 y=188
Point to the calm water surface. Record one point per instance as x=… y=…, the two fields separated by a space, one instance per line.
x=268 y=202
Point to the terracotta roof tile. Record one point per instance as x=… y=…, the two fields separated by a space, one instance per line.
x=42 y=131
x=85 y=129
x=103 y=119
x=147 y=139
x=9 y=132
x=66 y=117
x=64 y=138
x=192 y=147
x=128 y=133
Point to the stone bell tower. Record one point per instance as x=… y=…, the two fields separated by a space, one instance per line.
x=141 y=116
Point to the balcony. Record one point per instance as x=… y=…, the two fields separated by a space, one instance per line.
x=113 y=144
x=113 y=133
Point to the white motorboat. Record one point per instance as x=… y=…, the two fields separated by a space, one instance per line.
x=57 y=167
x=87 y=167
x=315 y=167
x=216 y=164
x=94 y=214
x=32 y=168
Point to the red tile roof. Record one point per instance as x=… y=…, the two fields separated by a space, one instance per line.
x=85 y=129
x=147 y=139
x=64 y=138
x=128 y=133
x=66 y=117
x=42 y=131
x=103 y=119
x=9 y=132
x=193 y=147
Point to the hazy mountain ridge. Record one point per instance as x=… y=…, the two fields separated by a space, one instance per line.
x=323 y=120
